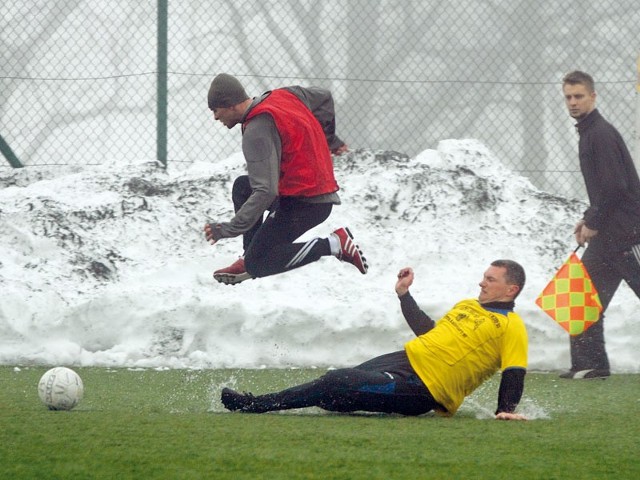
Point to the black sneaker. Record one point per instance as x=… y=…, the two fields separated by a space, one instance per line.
x=586 y=374
x=234 y=401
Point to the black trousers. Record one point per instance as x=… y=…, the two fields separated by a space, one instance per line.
x=607 y=270
x=269 y=244
x=385 y=384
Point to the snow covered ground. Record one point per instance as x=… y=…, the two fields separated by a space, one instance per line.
x=108 y=266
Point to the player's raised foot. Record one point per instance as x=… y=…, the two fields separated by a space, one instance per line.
x=233 y=274
x=349 y=250
x=234 y=401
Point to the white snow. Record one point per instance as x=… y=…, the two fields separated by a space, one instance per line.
x=108 y=265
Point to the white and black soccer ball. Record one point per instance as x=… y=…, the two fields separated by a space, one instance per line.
x=60 y=388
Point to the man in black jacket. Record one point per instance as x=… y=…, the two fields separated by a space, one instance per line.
x=611 y=224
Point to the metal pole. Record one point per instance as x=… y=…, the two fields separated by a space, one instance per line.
x=5 y=149
x=161 y=146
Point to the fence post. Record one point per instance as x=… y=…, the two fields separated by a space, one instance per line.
x=161 y=140
x=5 y=149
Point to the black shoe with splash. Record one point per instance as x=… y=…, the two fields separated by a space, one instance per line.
x=236 y=401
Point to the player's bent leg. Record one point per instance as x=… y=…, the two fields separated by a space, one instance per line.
x=272 y=250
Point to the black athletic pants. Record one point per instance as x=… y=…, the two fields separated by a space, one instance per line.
x=385 y=384
x=269 y=247
x=607 y=270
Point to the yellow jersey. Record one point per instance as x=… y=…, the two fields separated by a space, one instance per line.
x=467 y=346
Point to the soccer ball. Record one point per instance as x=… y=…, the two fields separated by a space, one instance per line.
x=60 y=388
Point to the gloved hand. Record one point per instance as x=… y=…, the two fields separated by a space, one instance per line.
x=212 y=233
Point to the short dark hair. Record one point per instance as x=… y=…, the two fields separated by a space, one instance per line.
x=579 y=78
x=515 y=273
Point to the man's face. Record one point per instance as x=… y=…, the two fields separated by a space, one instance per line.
x=228 y=116
x=494 y=286
x=580 y=101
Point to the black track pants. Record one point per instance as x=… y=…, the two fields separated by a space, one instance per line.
x=384 y=384
x=607 y=270
x=269 y=244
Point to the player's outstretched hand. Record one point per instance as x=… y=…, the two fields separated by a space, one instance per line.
x=405 y=279
x=208 y=233
x=344 y=148
x=510 y=416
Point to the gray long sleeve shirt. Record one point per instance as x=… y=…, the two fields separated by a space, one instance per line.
x=262 y=149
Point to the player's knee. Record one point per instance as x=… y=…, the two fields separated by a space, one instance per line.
x=241 y=182
x=241 y=189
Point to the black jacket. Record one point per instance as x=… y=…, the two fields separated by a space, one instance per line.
x=612 y=184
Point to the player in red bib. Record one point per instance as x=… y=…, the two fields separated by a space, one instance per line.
x=288 y=136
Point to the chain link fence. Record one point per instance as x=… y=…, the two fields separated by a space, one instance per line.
x=79 y=78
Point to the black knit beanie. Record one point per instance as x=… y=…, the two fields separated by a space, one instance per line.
x=226 y=91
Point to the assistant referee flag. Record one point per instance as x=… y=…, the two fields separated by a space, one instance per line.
x=570 y=298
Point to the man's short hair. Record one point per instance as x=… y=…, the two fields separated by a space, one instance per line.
x=514 y=273
x=579 y=78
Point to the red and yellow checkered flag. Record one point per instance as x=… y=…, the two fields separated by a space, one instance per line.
x=570 y=298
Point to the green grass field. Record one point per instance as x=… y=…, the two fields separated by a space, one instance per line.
x=148 y=424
